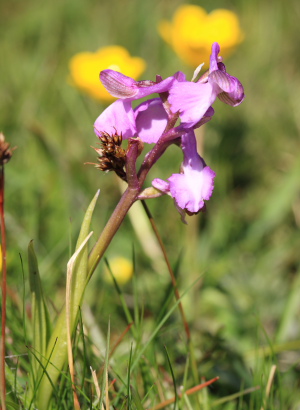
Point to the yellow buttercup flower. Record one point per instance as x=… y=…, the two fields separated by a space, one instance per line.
x=121 y=268
x=193 y=31
x=86 y=66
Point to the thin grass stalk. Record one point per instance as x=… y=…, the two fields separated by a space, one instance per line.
x=187 y=392
x=96 y=383
x=158 y=327
x=119 y=340
x=173 y=379
x=4 y=287
x=235 y=396
x=173 y=279
x=5 y=155
x=269 y=386
x=104 y=384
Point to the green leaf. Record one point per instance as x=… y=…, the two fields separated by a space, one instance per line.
x=41 y=324
x=12 y=405
x=59 y=336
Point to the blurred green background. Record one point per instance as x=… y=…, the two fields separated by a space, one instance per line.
x=245 y=247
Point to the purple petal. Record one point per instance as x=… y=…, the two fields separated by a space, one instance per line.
x=161 y=185
x=206 y=117
x=151 y=120
x=223 y=80
x=235 y=96
x=192 y=100
x=117 y=118
x=180 y=76
x=121 y=86
x=145 y=89
x=118 y=84
x=222 y=67
x=195 y=184
x=230 y=88
x=215 y=49
x=190 y=190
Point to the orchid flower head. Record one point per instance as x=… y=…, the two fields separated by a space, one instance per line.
x=155 y=121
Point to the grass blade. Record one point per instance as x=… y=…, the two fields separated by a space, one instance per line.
x=40 y=316
x=173 y=378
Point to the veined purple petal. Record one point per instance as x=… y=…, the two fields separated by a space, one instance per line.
x=236 y=95
x=117 y=118
x=192 y=100
x=223 y=80
x=151 y=120
x=228 y=88
x=118 y=84
x=121 y=86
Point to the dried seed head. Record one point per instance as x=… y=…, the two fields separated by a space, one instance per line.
x=5 y=150
x=112 y=156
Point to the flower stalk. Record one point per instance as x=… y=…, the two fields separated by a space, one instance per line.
x=4 y=288
x=110 y=229
x=5 y=155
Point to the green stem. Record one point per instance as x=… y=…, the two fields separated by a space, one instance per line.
x=110 y=229
x=170 y=269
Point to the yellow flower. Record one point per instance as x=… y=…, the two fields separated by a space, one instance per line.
x=121 y=268
x=193 y=31
x=85 y=68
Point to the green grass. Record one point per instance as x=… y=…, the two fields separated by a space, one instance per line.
x=242 y=255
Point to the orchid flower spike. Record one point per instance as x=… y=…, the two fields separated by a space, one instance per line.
x=154 y=121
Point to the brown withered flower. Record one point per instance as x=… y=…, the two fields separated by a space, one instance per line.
x=112 y=156
x=5 y=150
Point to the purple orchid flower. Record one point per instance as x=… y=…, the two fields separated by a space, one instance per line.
x=149 y=120
x=192 y=100
x=194 y=184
